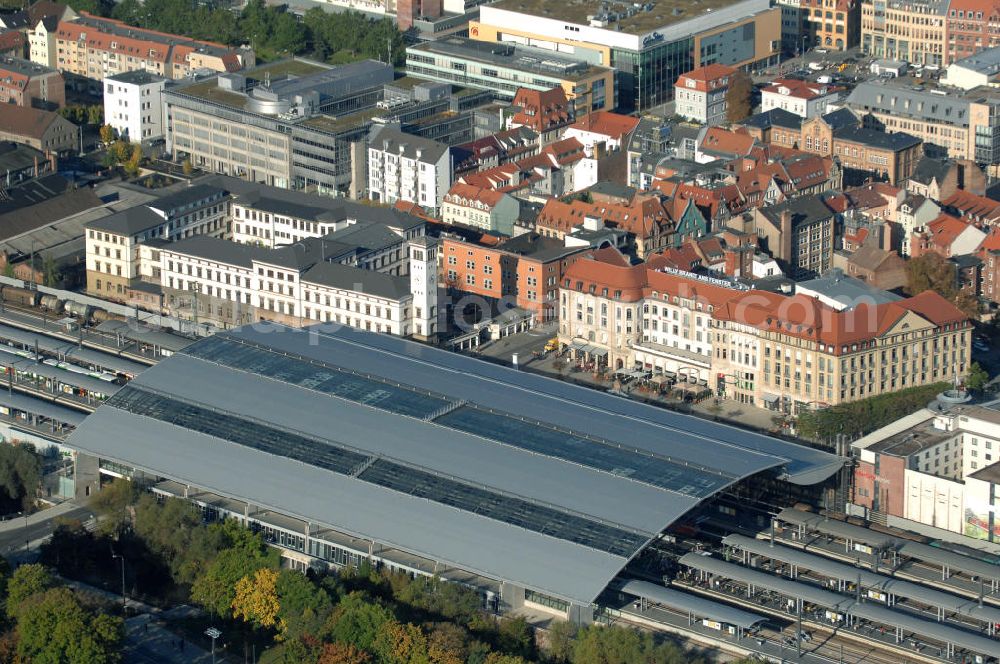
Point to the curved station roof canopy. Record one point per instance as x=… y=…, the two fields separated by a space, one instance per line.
x=511 y=475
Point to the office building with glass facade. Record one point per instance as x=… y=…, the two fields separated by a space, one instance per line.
x=649 y=44
x=505 y=68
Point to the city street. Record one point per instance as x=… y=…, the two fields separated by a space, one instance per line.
x=15 y=531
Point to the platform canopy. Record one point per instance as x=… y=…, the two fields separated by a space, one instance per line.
x=511 y=475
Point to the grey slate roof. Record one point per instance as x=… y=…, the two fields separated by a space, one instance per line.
x=185 y=197
x=840 y=118
x=315 y=208
x=128 y=222
x=395 y=141
x=986 y=61
x=776 y=117
x=929 y=169
x=217 y=249
x=878 y=139
x=136 y=77
x=804 y=210
x=909 y=103
x=847 y=290
x=336 y=275
x=317 y=383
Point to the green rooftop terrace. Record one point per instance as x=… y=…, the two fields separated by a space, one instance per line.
x=337 y=124
x=662 y=13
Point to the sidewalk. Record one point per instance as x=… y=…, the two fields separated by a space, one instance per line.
x=146 y=641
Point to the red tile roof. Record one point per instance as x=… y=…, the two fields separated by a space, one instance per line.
x=541 y=110
x=727 y=141
x=612 y=125
x=610 y=255
x=791 y=87
x=706 y=78
x=945 y=229
x=969 y=204
x=12 y=41
x=991 y=242
x=463 y=194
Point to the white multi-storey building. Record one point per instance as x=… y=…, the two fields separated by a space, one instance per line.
x=802 y=98
x=133 y=105
x=700 y=95
x=360 y=235
x=403 y=167
x=232 y=284
x=112 y=242
x=934 y=468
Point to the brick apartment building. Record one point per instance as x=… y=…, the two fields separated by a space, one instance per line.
x=863 y=153
x=24 y=83
x=524 y=271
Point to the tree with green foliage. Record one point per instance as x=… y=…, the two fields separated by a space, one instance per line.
x=304 y=605
x=517 y=637
x=95 y=115
x=246 y=552
x=174 y=531
x=858 y=418
x=27 y=580
x=54 y=628
x=131 y=165
x=114 y=503
x=356 y=620
x=561 y=636
x=739 y=97
x=400 y=643
x=616 y=645
x=50 y=272
x=20 y=475
x=977 y=378
x=930 y=272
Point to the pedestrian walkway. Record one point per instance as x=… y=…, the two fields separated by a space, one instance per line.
x=148 y=642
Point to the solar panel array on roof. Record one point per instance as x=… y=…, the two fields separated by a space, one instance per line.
x=314 y=375
x=239 y=430
x=522 y=513
x=412 y=481
x=683 y=477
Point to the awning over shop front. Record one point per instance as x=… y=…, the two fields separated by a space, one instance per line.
x=771 y=398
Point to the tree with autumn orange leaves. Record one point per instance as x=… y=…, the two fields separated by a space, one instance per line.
x=342 y=653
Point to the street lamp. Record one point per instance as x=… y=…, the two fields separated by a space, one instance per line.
x=213 y=634
x=122 y=558
x=25 y=515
